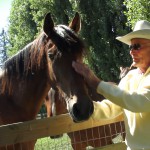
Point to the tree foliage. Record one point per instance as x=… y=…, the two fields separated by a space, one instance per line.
x=102 y=22
x=26 y=19
x=4 y=42
x=22 y=28
x=60 y=11
x=137 y=10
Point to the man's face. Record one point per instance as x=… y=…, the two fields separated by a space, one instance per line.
x=140 y=53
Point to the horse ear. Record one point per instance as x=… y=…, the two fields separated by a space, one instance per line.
x=76 y=23
x=48 y=24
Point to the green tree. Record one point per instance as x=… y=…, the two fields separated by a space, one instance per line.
x=137 y=10
x=60 y=11
x=102 y=22
x=27 y=20
x=4 y=42
x=22 y=28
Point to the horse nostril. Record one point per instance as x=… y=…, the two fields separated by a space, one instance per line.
x=76 y=111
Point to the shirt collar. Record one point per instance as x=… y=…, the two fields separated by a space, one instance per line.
x=140 y=72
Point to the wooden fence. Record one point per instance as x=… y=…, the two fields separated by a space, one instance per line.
x=30 y=130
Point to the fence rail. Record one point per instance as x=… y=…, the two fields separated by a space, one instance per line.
x=30 y=130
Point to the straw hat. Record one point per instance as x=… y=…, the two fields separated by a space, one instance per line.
x=141 y=30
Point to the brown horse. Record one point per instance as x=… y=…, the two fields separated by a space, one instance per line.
x=44 y=63
x=95 y=137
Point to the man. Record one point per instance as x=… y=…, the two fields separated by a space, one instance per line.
x=132 y=96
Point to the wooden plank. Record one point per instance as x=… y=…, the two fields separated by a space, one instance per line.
x=118 y=146
x=30 y=130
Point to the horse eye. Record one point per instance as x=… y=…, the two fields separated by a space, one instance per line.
x=51 y=55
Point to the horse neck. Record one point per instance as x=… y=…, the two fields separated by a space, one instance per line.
x=23 y=104
x=27 y=95
x=34 y=93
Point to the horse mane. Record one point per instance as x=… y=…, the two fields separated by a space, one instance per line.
x=24 y=63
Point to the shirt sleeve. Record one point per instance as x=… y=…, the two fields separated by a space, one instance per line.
x=105 y=110
x=135 y=101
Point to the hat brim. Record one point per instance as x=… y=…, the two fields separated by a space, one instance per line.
x=145 y=34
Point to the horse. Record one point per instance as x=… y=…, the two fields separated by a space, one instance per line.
x=44 y=63
x=95 y=137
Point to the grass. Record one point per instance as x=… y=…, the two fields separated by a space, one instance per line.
x=47 y=143
x=62 y=143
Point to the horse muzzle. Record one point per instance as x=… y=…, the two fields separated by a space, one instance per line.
x=81 y=111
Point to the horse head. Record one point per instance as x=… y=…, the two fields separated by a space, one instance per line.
x=64 y=47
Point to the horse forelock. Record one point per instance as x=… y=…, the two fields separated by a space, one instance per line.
x=70 y=40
